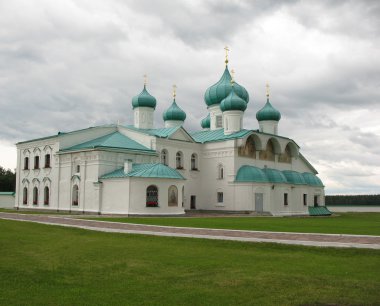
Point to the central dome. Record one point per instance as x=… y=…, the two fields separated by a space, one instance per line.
x=220 y=90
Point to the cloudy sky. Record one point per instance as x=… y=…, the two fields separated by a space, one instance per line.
x=70 y=64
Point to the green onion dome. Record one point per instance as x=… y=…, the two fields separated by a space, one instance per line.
x=268 y=112
x=233 y=102
x=144 y=99
x=312 y=179
x=220 y=90
x=205 y=122
x=174 y=113
x=251 y=174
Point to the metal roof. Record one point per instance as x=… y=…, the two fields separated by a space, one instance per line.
x=7 y=193
x=294 y=177
x=319 y=211
x=114 y=140
x=162 y=132
x=146 y=170
x=217 y=135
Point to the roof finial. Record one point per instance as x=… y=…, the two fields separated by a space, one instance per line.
x=174 y=91
x=227 y=50
x=267 y=86
x=232 y=77
x=145 y=79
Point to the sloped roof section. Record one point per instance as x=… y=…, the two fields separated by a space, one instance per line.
x=146 y=170
x=114 y=140
x=162 y=132
x=217 y=135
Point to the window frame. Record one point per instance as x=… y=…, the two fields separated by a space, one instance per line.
x=35 y=195
x=36 y=162
x=47 y=161
x=194 y=162
x=26 y=163
x=75 y=195
x=286 y=199
x=219 y=197
x=179 y=160
x=164 y=157
x=25 y=196
x=305 y=199
x=151 y=199
x=46 y=196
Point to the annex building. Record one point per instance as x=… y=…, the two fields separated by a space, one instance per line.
x=143 y=169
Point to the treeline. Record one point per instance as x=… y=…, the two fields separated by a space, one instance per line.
x=7 y=180
x=362 y=199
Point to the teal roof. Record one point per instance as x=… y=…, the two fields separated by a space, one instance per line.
x=144 y=99
x=294 y=177
x=6 y=193
x=312 y=179
x=114 y=140
x=251 y=174
x=254 y=174
x=268 y=112
x=233 y=102
x=220 y=90
x=146 y=170
x=174 y=112
x=162 y=132
x=319 y=211
x=275 y=176
x=205 y=122
x=217 y=135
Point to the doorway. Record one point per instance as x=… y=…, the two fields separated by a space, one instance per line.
x=192 y=202
x=259 y=199
x=316 y=201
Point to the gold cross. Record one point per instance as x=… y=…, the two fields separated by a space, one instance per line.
x=174 y=91
x=145 y=79
x=226 y=48
x=267 y=86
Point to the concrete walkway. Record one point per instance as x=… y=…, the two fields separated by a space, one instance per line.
x=322 y=240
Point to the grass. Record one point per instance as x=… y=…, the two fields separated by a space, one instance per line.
x=345 y=223
x=51 y=265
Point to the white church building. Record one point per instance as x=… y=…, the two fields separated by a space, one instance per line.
x=141 y=169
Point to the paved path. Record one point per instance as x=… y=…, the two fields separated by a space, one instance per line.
x=324 y=240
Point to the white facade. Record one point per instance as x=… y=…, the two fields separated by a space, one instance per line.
x=139 y=170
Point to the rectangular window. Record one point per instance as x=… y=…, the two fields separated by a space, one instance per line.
x=285 y=199
x=220 y=197
x=36 y=162
x=47 y=161
x=305 y=199
x=78 y=168
x=219 y=121
x=26 y=163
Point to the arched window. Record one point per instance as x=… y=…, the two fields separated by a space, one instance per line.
x=152 y=196
x=164 y=157
x=25 y=196
x=179 y=160
x=172 y=196
x=268 y=154
x=249 y=149
x=220 y=172
x=75 y=195
x=286 y=157
x=194 y=161
x=26 y=163
x=47 y=161
x=46 y=195
x=35 y=196
x=36 y=162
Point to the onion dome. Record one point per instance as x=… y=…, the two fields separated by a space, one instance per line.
x=233 y=102
x=220 y=90
x=144 y=99
x=268 y=112
x=174 y=113
x=205 y=122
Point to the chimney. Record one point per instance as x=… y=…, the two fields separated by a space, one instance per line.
x=127 y=166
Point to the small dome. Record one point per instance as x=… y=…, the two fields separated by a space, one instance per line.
x=312 y=179
x=294 y=177
x=251 y=174
x=220 y=90
x=275 y=176
x=144 y=99
x=233 y=102
x=174 y=113
x=205 y=122
x=268 y=112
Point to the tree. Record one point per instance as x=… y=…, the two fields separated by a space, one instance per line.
x=7 y=180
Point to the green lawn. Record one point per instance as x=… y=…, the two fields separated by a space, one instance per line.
x=51 y=265
x=344 y=223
